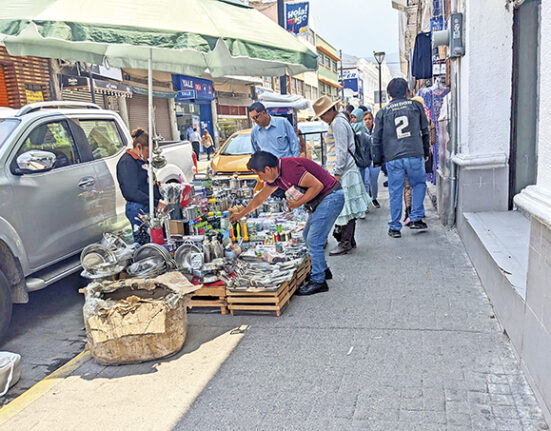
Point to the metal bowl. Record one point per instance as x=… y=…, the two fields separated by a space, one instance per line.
x=148 y=267
x=96 y=255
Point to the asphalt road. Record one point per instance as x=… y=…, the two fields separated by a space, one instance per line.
x=47 y=332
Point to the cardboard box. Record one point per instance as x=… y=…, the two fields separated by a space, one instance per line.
x=177 y=227
x=136 y=320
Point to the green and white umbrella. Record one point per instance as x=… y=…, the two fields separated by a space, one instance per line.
x=180 y=36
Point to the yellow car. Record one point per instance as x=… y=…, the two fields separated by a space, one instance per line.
x=232 y=158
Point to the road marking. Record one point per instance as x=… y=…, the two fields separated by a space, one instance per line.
x=42 y=387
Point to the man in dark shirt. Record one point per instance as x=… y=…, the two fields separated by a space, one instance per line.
x=402 y=140
x=310 y=185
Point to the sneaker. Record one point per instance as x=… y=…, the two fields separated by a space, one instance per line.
x=394 y=233
x=363 y=216
x=375 y=203
x=418 y=225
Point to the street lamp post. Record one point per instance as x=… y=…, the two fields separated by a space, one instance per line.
x=281 y=22
x=380 y=56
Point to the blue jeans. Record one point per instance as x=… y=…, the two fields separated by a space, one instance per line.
x=317 y=230
x=397 y=169
x=372 y=180
x=132 y=211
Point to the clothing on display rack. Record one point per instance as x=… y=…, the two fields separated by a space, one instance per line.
x=434 y=99
x=422 y=57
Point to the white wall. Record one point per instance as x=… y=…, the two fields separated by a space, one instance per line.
x=485 y=78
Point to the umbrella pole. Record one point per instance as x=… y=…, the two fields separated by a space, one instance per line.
x=150 y=130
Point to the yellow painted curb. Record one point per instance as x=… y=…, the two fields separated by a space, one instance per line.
x=42 y=387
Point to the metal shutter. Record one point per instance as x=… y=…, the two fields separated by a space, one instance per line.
x=83 y=96
x=162 y=118
x=137 y=114
x=137 y=111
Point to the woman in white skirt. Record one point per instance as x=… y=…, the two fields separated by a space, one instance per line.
x=340 y=163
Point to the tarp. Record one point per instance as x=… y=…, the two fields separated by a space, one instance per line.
x=186 y=36
x=273 y=100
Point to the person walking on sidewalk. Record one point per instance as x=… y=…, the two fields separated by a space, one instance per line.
x=340 y=147
x=311 y=186
x=195 y=139
x=402 y=140
x=207 y=143
x=272 y=134
x=372 y=172
x=356 y=121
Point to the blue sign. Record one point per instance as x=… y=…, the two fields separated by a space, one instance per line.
x=297 y=17
x=189 y=87
x=185 y=94
x=437 y=23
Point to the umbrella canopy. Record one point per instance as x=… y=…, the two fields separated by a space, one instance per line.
x=185 y=36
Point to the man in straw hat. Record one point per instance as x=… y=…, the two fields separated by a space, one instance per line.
x=340 y=162
x=402 y=140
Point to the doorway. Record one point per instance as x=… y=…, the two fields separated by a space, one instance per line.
x=524 y=106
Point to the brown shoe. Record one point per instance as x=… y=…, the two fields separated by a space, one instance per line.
x=342 y=248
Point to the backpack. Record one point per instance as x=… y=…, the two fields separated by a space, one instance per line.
x=362 y=151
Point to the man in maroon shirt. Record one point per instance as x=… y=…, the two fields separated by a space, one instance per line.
x=308 y=184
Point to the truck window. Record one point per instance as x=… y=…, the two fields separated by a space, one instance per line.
x=6 y=127
x=54 y=137
x=103 y=137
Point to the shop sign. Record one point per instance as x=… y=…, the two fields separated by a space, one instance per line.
x=113 y=86
x=34 y=96
x=189 y=87
x=348 y=74
x=74 y=82
x=297 y=17
x=352 y=84
x=185 y=94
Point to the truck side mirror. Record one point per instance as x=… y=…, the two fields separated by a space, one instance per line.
x=34 y=161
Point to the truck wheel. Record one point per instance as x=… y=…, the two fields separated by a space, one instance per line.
x=5 y=305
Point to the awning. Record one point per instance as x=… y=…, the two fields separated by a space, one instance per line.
x=77 y=83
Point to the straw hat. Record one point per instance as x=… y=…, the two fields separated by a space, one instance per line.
x=322 y=105
x=419 y=99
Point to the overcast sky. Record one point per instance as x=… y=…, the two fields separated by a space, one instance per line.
x=358 y=27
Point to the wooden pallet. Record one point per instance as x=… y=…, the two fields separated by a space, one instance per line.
x=210 y=297
x=262 y=301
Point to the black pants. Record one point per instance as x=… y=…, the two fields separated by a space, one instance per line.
x=196 y=148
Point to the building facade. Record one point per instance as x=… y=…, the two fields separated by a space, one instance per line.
x=328 y=68
x=494 y=177
x=23 y=79
x=361 y=81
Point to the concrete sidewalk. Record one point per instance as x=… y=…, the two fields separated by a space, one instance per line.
x=404 y=339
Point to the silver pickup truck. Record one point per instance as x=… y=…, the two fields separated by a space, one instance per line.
x=58 y=190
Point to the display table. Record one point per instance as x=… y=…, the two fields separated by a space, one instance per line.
x=264 y=300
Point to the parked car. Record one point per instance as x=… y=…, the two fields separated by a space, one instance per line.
x=232 y=158
x=58 y=191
